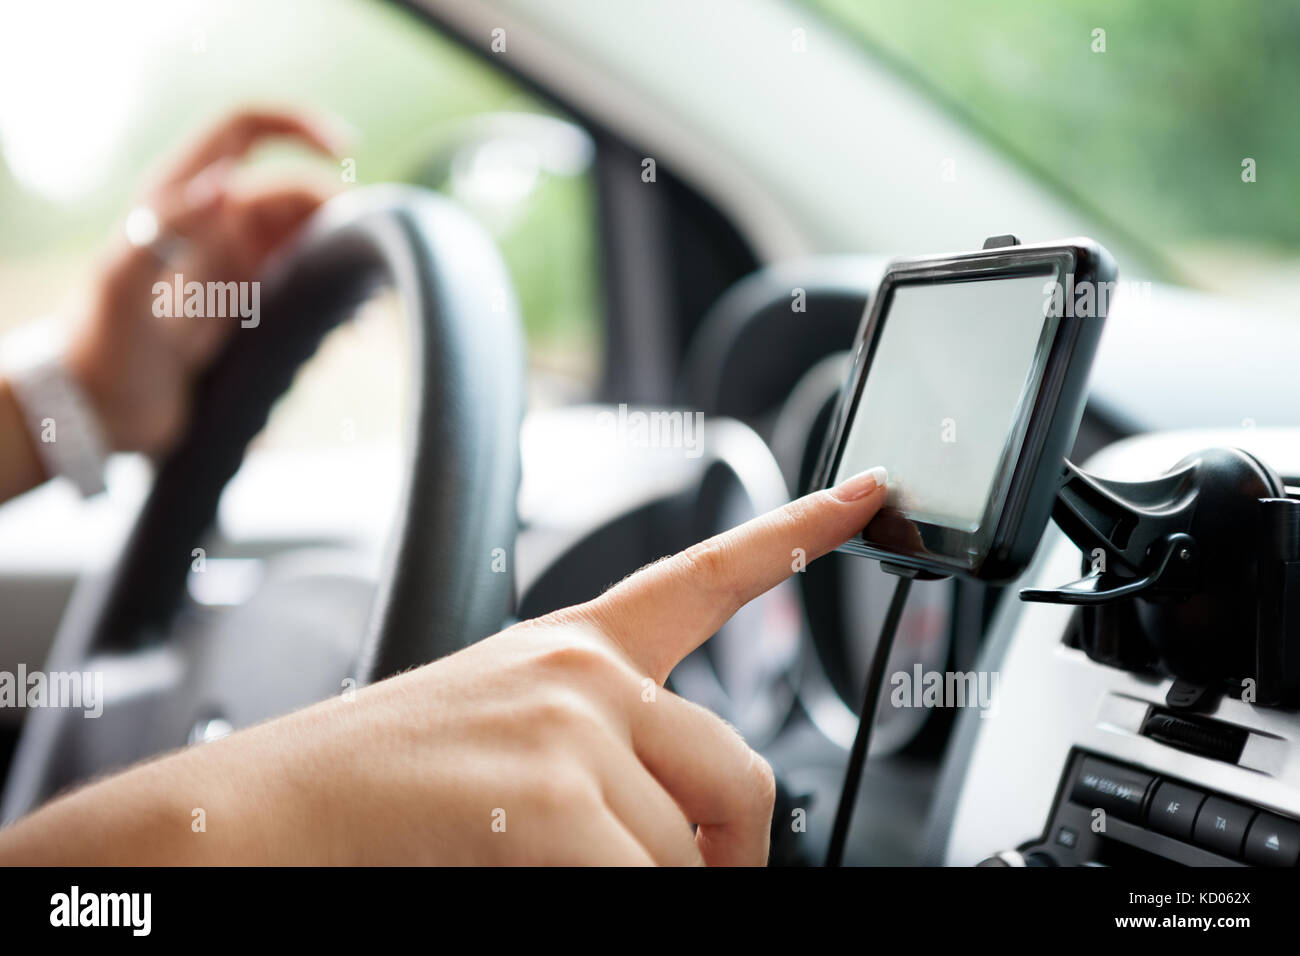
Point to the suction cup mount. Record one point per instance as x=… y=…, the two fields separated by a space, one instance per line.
x=1194 y=574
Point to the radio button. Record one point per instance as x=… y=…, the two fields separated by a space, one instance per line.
x=1221 y=826
x=1115 y=789
x=1173 y=809
x=1273 y=841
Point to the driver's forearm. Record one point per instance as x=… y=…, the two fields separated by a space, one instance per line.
x=202 y=806
x=128 y=819
x=20 y=466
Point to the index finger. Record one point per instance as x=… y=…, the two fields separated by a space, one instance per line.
x=234 y=136
x=663 y=612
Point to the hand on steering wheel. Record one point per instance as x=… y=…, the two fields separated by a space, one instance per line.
x=138 y=367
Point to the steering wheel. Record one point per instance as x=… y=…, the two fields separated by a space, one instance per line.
x=441 y=586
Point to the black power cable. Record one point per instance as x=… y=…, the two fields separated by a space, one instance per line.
x=866 y=718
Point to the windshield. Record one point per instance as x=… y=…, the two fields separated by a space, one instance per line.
x=1174 y=120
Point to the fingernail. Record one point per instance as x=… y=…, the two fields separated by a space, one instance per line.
x=861 y=484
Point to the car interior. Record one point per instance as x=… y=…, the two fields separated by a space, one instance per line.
x=563 y=214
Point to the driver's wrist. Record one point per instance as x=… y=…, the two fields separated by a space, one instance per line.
x=22 y=466
x=135 y=385
x=97 y=388
x=60 y=420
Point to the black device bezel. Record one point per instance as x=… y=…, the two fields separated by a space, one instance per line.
x=1032 y=461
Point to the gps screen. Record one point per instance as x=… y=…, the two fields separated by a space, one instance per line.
x=943 y=396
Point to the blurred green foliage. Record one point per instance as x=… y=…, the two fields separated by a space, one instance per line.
x=1152 y=132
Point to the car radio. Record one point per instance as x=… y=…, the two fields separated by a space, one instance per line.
x=1108 y=813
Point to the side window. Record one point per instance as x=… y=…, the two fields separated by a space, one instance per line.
x=135 y=79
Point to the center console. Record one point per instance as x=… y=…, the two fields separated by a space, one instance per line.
x=1088 y=756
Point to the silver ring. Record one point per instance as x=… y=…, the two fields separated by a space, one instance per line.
x=144 y=231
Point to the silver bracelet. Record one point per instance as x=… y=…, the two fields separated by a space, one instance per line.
x=62 y=423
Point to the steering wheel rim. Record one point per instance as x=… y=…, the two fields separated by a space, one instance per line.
x=462 y=469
